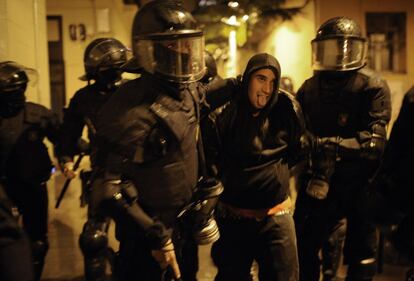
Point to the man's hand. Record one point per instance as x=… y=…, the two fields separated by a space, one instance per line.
x=68 y=170
x=317 y=188
x=166 y=257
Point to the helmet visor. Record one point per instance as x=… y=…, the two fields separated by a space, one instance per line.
x=338 y=54
x=176 y=59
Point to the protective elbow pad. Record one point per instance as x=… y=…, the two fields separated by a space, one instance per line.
x=374 y=148
x=121 y=202
x=93 y=238
x=116 y=198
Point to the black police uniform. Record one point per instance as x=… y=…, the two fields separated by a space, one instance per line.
x=15 y=255
x=252 y=156
x=102 y=60
x=153 y=134
x=83 y=111
x=148 y=138
x=26 y=167
x=346 y=108
x=148 y=143
x=353 y=105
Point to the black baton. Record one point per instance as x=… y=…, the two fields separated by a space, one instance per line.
x=67 y=182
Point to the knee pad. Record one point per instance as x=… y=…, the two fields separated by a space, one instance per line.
x=93 y=239
x=93 y=242
x=363 y=270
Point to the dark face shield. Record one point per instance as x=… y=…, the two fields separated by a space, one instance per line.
x=12 y=102
x=179 y=60
x=338 y=54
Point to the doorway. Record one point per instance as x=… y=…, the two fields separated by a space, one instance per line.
x=56 y=64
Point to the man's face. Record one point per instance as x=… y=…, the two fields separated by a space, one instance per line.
x=261 y=87
x=179 y=46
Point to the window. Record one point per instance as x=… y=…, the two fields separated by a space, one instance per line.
x=386 y=33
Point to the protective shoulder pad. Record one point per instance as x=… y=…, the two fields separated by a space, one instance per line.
x=36 y=113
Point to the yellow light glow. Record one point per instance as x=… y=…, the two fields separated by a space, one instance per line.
x=233 y=4
x=288 y=48
x=231 y=67
x=231 y=21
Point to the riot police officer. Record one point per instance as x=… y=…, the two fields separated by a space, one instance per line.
x=347 y=108
x=102 y=60
x=148 y=148
x=24 y=125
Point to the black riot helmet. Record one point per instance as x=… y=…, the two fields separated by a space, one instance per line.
x=167 y=42
x=13 y=82
x=102 y=59
x=339 y=46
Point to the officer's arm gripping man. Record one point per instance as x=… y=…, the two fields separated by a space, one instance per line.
x=119 y=200
x=369 y=140
x=378 y=99
x=217 y=93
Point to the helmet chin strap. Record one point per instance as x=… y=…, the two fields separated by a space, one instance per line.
x=108 y=80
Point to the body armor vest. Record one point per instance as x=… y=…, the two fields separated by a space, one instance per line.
x=156 y=132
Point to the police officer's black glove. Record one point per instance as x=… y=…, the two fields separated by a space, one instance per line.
x=158 y=235
x=165 y=257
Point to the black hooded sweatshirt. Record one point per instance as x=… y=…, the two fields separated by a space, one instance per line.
x=252 y=154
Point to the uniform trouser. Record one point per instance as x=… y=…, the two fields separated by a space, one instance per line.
x=93 y=242
x=32 y=201
x=15 y=257
x=271 y=242
x=332 y=251
x=135 y=262
x=316 y=220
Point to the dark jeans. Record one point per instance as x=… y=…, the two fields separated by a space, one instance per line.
x=271 y=242
x=316 y=220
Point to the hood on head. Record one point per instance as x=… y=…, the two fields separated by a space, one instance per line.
x=257 y=62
